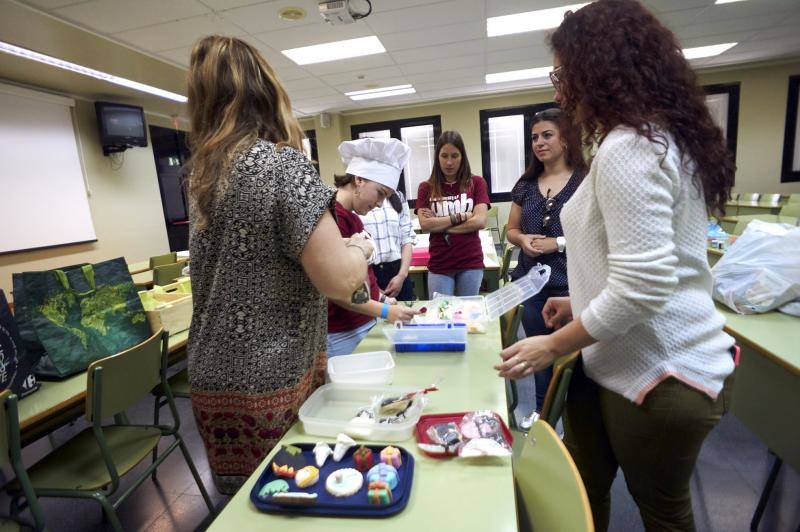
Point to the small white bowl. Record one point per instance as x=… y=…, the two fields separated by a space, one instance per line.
x=376 y=367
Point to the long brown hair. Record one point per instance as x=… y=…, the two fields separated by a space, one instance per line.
x=235 y=98
x=621 y=66
x=571 y=136
x=464 y=174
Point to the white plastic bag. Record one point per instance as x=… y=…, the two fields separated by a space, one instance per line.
x=761 y=270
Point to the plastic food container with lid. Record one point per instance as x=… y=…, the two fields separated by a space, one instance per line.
x=376 y=367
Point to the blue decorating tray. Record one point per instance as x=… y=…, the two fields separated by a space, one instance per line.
x=329 y=506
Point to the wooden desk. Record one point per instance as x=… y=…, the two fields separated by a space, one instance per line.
x=735 y=208
x=491 y=266
x=766 y=392
x=447 y=495
x=59 y=402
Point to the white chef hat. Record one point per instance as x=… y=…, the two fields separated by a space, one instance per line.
x=379 y=160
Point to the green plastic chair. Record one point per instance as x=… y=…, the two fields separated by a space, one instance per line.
x=162 y=260
x=509 y=325
x=179 y=385
x=90 y=464
x=11 y=453
x=550 y=492
x=556 y=394
x=493 y=222
x=505 y=265
x=167 y=273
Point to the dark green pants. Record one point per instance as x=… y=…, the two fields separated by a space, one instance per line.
x=656 y=445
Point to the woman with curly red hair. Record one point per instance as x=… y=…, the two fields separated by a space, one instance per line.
x=656 y=366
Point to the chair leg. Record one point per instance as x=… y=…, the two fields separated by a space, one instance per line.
x=108 y=511
x=767 y=491
x=195 y=474
x=156 y=411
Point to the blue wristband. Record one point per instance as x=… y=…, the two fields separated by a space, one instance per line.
x=385 y=311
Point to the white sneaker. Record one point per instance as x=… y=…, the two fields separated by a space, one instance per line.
x=529 y=420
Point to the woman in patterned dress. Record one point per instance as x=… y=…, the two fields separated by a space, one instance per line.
x=266 y=252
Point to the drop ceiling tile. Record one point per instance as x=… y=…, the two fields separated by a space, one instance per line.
x=178 y=55
x=291 y=73
x=498 y=8
x=361 y=65
x=429 y=16
x=262 y=17
x=530 y=54
x=179 y=33
x=114 y=16
x=426 y=37
x=303 y=84
x=475 y=72
x=518 y=40
x=666 y=6
x=728 y=26
x=445 y=63
x=359 y=85
x=309 y=34
x=369 y=76
x=414 y=55
x=318 y=92
x=48 y=5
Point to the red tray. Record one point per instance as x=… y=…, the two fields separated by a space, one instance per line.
x=428 y=420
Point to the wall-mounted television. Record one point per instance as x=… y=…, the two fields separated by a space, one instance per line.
x=121 y=126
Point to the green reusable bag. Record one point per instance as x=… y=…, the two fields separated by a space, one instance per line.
x=79 y=315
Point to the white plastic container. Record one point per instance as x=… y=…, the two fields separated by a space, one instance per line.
x=376 y=367
x=331 y=408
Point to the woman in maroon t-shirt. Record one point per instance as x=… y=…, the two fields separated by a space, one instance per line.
x=452 y=207
x=382 y=161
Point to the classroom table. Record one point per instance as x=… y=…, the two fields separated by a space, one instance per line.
x=57 y=403
x=714 y=255
x=735 y=208
x=447 y=494
x=491 y=265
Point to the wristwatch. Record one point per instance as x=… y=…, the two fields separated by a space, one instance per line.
x=561 y=242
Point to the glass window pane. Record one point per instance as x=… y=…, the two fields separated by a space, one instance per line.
x=718 y=107
x=506 y=151
x=382 y=134
x=420 y=164
x=307 y=148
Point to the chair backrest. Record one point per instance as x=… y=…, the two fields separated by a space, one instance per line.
x=120 y=381
x=790 y=209
x=557 y=390
x=770 y=199
x=749 y=196
x=491 y=214
x=168 y=273
x=508 y=253
x=503 y=232
x=161 y=260
x=550 y=492
x=509 y=323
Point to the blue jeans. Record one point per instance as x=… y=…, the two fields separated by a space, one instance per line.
x=345 y=342
x=460 y=283
x=533 y=323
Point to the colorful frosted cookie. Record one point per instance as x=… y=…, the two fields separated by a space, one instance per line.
x=321 y=453
x=391 y=456
x=271 y=488
x=288 y=460
x=383 y=473
x=284 y=471
x=343 y=443
x=308 y=476
x=363 y=458
x=379 y=492
x=294 y=498
x=344 y=482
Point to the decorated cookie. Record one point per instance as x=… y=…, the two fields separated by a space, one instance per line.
x=391 y=456
x=343 y=443
x=383 y=473
x=294 y=498
x=363 y=458
x=344 y=482
x=308 y=476
x=284 y=471
x=271 y=488
x=321 y=453
x=379 y=492
x=288 y=460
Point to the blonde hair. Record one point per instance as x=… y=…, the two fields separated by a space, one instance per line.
x=235 y=98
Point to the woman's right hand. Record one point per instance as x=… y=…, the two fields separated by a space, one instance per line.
x=557 y=312
x=526 y=244
x=401 y=313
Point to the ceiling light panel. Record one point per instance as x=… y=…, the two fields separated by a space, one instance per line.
x=707 y=51
x=335 y=51
x=380 y=89
x=541 y=19
x=383 y=94
x=515 y=75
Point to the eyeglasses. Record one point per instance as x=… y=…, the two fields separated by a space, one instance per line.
x=554 y=77
x=549 y=206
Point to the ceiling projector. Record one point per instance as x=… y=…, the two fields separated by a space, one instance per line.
x=340 y=12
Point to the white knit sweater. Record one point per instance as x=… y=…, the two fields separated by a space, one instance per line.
x=638 y=272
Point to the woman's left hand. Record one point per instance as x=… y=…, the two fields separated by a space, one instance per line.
x=526 y=356
x=545 y=245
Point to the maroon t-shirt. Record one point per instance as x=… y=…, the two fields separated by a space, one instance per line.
x=341 y=319
x=464 y=251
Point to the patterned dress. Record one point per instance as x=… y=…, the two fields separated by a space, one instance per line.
x=257 y=340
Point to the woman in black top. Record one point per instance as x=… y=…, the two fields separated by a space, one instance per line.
x=533 y=223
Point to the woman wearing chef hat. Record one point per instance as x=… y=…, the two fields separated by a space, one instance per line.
x=373 y=171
